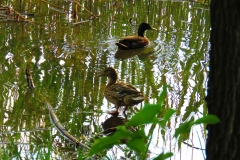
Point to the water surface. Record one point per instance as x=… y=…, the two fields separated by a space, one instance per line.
x=66 y=53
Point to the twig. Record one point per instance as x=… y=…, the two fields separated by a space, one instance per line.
x=20 y=15
x=85 y=9
x=192 y=146
x=54 y=5
x=81 y=22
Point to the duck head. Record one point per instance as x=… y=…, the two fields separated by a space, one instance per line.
x=143 y=27
x=111 y=73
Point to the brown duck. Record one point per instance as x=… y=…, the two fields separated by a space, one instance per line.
x=120 y=93
x=134 y=42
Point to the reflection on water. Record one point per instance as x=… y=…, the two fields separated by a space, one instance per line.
x=72 y=50
x=125 y=54
x=141 y=53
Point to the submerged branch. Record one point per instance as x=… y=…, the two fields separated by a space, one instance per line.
x=61 y=129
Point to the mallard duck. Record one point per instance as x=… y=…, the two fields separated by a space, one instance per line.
x=120 y=93
x=139 y=41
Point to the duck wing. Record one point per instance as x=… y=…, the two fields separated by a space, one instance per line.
x=132 y=42
x=131 y=38
x=127 y=89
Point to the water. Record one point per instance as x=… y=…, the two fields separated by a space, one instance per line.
x=66 y=54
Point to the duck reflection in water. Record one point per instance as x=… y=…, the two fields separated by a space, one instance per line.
x=142 y=53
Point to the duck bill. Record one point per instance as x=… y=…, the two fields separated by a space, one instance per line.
x=154 y=29
x=100 y=75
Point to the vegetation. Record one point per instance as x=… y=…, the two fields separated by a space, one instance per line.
x=139 y=141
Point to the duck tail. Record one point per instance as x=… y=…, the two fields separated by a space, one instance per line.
x=146 y=98
x=139 y=98
x=122 y=46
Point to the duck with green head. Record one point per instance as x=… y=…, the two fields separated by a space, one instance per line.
x=120 y=93
x=134 y=42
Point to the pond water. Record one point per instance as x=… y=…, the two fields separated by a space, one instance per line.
x=65 y=52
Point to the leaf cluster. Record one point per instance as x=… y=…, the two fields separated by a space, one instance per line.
x=139 y=141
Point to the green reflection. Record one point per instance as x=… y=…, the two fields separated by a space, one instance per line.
x=70 y=52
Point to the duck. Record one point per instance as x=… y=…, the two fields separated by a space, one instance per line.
x=120 y=93
x=134 y=42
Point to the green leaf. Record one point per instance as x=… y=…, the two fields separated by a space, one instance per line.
x=122 y=128
x=102 y=144
x=183 y=137
x=146 y=115
x=162 y=95
x=139 y=134
x=164 y=156
x=183 y=128
x=167 y=117
x=209 y=119
x=121 y=133
x=137 y=144
x=108 y=142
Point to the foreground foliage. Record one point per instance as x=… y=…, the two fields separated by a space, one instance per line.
x=139 y=141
